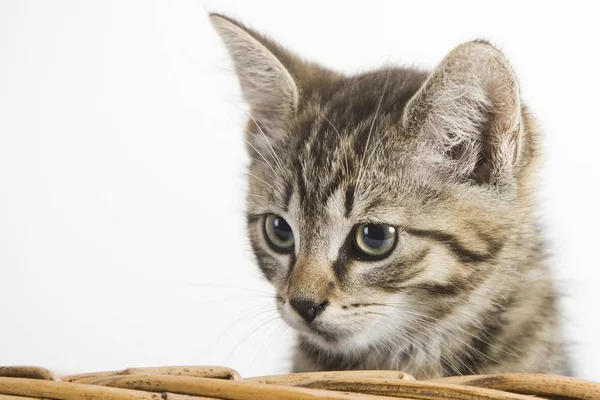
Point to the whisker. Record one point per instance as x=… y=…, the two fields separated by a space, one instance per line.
x=246 y=337
x=399 y=346
x=414 y=340
x=419 y=320
x=449 y=350
x=339 y=136
x=277 y=161
x=369 y=312
x=443 y=330
x=434 y=361
x=233 y=287
x=260 y=154
x=257 y=195
x=360 y=359
x=358 y=180
x=236 y=298
x=456 y=326
x=278 y=329
x=256 y=177
x=247 y=314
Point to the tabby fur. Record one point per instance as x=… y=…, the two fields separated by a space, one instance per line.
x=449 y=157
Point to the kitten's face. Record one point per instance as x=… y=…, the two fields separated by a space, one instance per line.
x=349 y=219
x=376 y=203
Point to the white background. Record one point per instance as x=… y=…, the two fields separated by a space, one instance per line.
x=122 y=168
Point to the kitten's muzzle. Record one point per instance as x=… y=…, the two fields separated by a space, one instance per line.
x=308 y=309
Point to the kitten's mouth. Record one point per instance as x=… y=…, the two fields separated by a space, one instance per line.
x=325 y=335
x=318 y=331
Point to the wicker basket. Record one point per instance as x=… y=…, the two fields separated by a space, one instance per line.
x=207 y=382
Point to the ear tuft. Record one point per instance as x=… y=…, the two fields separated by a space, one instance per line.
x=469 y=113
x=266 y=84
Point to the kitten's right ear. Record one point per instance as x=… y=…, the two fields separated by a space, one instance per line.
x=266 y=83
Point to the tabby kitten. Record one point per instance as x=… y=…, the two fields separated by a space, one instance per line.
x=393 y=211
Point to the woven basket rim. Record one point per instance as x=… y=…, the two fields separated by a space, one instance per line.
x=196 y=382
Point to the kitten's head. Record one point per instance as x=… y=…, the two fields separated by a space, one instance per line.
x=377 y=198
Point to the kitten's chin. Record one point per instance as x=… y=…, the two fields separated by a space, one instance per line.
x=340 y=342
x=333 y=342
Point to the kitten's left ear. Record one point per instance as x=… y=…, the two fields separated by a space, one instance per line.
x=469 y=113
x=267 y=84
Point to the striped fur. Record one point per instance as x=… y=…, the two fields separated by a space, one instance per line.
x=447 y=157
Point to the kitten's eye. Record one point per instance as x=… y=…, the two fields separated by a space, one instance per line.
x=279 y=233
x=375 y=240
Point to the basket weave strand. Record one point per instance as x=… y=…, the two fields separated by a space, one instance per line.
x=212 y=382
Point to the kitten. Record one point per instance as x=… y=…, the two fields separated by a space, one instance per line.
x=393 y=211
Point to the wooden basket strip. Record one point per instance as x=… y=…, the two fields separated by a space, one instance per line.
x=228 y=389
x=28 y=372
x=204 y=371
x=414 y=389
x=457 y=380
x=37 y=388
x=82 y=378
x=10 y=397
x=533 y=384
x=177 y=396
x=299 y=378
x=200 y=371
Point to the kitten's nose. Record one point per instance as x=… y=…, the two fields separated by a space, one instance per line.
x=308 y=309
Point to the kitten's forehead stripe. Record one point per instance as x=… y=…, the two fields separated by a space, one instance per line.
x=330 y=141
x=349 y=200
x=302 y=187
x=333 y=185
x=289 y=191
